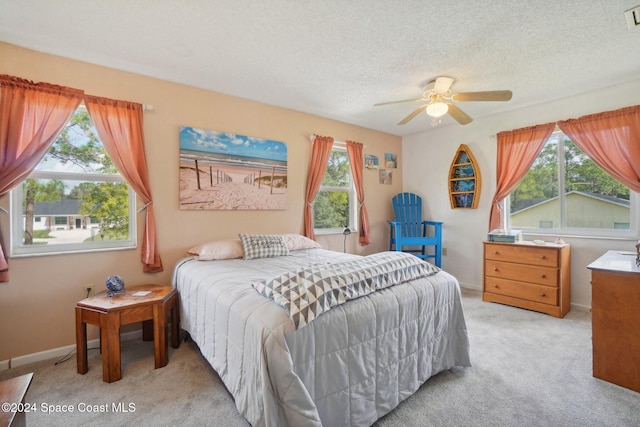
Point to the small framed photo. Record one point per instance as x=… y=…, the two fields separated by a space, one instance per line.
x=390 y=161
x=386 y=176
x=371 y=161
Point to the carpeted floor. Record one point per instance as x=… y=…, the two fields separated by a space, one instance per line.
x=529 y=369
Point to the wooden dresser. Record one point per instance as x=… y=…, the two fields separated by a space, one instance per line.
x=615 y=318
x=526 y=275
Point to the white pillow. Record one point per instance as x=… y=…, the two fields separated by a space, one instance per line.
x=219 y=249
x=296 y=241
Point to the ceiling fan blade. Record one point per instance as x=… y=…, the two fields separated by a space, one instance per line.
x=442 y=84
x=413 y=114
x=490 y=95
x=459 y=115
x=398 y=102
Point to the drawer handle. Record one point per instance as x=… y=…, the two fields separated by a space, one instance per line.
x=543 y=257
x=496 y=286
x=495 y=268
x=544 y=276
x=543 y=295
x=496 y=253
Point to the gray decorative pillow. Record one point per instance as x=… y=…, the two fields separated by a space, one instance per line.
x=263 y=245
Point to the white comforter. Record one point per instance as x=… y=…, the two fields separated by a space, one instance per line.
x=348 y=367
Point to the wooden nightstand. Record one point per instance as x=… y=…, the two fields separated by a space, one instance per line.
x=149 y=304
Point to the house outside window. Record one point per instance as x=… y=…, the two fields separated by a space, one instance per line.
x=75 y=200
x=591 y=202
x=335 y=205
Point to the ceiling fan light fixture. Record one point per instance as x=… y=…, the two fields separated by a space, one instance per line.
x=437 y=109
x=439 y=90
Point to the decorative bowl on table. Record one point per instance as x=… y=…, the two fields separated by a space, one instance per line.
x=115 y=285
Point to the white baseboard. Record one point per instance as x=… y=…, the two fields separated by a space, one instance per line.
x=58 y=352
x=580 y=307
x=574 y=306
x=470 y=286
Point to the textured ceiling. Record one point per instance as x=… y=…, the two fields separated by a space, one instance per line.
x=336 y=58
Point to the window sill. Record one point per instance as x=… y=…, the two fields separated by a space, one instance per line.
x=332 y=231
x=66 y=251
x=561 y=235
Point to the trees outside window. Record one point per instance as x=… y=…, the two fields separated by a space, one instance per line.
x=566 y=190
x=75 y=199
x=334 y=206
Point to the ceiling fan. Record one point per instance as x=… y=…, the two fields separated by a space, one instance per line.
x=438 y=92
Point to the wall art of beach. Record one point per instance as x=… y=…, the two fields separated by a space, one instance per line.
x=226 y=171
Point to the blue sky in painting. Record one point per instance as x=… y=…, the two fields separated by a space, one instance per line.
x=231 y=144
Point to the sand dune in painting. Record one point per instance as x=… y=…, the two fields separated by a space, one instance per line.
x=232 y=194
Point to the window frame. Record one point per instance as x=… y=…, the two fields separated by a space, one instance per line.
x=353 y=198
x=563 y=230
x=16 y=247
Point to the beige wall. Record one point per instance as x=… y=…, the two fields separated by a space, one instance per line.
x=428 y=155
x=37 y=304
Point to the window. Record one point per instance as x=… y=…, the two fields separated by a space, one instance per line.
x=75 y=200
x=335 y=205
x=591 y=202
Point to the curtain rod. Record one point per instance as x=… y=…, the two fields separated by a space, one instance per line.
x=312 y=138
x=145 y=107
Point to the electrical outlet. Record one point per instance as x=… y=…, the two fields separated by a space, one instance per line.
x=87 y=289
x=444 y=251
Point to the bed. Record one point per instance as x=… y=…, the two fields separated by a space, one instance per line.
x=348 y=366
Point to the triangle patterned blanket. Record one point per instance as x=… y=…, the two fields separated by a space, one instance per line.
x=308 y=292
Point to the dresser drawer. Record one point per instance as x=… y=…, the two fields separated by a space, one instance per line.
x=513 y=252
x=547 y=276
x=526 y=275
x=525 y=291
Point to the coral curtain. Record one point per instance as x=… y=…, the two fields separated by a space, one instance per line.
x=356 y=160
x=322 y=146
x=517 y=150
x=31 y=117
x=612 y=140
x=119 y=124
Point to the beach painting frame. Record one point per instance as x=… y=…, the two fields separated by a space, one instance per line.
x=371 y=161
x=390 y=160
x=226 y=171
x=385 y=176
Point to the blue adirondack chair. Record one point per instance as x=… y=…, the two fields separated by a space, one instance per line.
x=409 y=233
